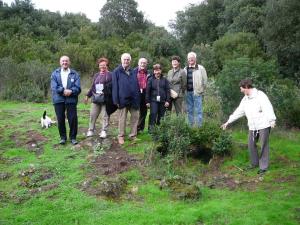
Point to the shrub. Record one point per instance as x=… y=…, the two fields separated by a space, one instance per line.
x=261 y=72
x=222 y=145
x=173 y=136
x=285 y=97
x=29 y=81
x=210 y=137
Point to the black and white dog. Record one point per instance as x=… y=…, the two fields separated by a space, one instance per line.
x=46 y=122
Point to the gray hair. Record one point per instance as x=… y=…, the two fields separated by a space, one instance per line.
x=192 y=54
x=126 y=55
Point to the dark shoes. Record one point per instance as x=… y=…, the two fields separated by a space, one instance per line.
x=261 y=172
x=62 y=141
x=74 y=142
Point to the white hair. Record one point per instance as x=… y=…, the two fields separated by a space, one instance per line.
x=127 y=55
x=192 y=54
x=140 y=60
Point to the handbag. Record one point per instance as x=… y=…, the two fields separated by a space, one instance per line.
x=98 y=98
x=173 y=94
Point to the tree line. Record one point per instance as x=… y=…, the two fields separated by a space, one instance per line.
x=233 y=39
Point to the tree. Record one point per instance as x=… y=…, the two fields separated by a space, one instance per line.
x=241 y=16
x=281 y=35
x=197 y=24
x=263 y=73
x=237 y=45
x=120 y=18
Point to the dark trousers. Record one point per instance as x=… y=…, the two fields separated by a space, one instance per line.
x=71 y=110
x=157 y=111
x=143 y=112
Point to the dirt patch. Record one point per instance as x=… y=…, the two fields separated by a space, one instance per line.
x=35 y=177
x=8 y=161
x=5 y=176
x=107 y=159
x=213 y=177
x=290 y=178
x=32 y=140
x=114 y=161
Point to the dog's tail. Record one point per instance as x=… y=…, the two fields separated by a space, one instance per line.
x=44 y=114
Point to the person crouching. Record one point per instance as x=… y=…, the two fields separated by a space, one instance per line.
x=157 y=96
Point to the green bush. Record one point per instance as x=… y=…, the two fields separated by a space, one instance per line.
x=29 y=81
x=172 y=136
x=222 y=145
x=210 y=137
x=261 y=72
x=285 y=97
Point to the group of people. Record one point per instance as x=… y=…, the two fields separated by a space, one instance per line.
x=133 y=90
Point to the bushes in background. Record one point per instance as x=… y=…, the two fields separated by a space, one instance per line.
x=28 y=81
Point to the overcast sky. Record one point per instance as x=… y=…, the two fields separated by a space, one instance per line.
x=158 y=11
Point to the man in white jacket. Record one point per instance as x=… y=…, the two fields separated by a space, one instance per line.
x=258 y=109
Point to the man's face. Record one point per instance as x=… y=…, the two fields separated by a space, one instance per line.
x=143 y=64
x=64 y=62
x=192 y=60
x=245 y=91
x=125 y=61
x=157 y=72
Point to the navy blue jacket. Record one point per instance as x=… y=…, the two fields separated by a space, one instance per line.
x=125 y=87
x=58 y=89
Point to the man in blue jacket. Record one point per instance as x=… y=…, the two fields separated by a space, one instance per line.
x=126 y=97
x=65 y=87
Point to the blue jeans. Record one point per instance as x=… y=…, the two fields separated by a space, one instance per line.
x=194 y=105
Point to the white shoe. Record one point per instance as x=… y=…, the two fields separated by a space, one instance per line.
x=103 y=134
x=90 y=133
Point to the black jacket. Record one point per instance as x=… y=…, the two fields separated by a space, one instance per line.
x=158 y=87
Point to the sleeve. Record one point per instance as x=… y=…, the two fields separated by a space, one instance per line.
x=183 y=81
x=76 y=89
x=267 y=107
x=168 y=97
x=55 y=87
x=204 y=77
x=90 y=92
x=238 y=113
x=148 y=90
x=115 y=88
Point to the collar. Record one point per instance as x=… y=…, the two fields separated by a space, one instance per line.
x=253 y=94
x=65 y=71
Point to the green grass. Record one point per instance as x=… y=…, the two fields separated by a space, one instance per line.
x=273 y=201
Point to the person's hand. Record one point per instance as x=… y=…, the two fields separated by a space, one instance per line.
x=86 y=99
x=148 y=105
x=273 y=124
x=224 y=126
x=166 y=104
x=67 y=92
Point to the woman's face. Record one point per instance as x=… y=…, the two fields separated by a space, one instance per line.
x=175 y=64
x=102 y=66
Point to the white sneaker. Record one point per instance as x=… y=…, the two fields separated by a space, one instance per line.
x=103 y=134
x=89 y=133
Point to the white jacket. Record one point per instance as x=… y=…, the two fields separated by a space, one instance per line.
x=258 y=110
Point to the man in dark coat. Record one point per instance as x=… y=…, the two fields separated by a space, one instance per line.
x=126 y=96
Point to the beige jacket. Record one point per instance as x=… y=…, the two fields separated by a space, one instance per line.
x=199 y=80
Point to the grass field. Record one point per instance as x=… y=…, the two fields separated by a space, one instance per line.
x=44 y=183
